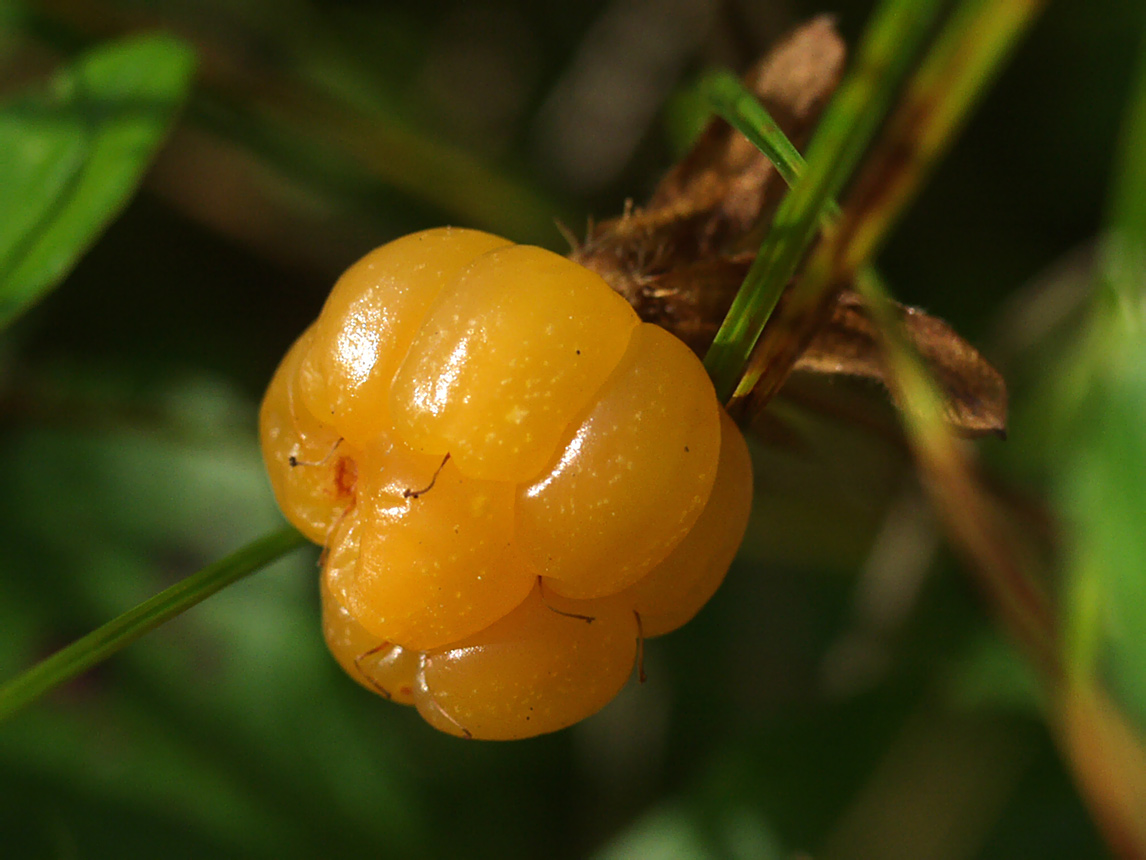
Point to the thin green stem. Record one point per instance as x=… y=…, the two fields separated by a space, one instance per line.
x=963 y=62
x=890 y=45
x=105 y=641
x=964 y=59
x=736 y=105
x=969 y=510
x=981 y=527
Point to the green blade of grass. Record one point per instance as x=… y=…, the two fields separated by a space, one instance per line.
x=104 y=641
x=1025 y=607
x=1007 y=561
x=964 y=59
x=1098 y=468
x=735 y=104
x=890 y=45
x=967 y=54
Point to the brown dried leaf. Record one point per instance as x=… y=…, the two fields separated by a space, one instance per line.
x=681 y=259
x=706 y=207
x=690 y=301
x=848 y=344
x=725 y=174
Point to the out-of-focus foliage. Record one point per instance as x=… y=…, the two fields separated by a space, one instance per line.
x=1102 y=487
x=1090 y=411
x=845 y=694
x=73 y=156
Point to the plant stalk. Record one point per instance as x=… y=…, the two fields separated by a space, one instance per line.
x=104 y=641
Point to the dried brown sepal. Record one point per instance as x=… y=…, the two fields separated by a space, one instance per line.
x=725 y=175
x=690 y=301
x=848 y=344
x=707 y=207
x=681 y=259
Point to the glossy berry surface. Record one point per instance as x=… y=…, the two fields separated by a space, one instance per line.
x=515 y=480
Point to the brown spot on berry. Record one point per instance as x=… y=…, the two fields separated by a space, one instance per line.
x=345 y=476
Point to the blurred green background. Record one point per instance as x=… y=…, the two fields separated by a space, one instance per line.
x=844 y=695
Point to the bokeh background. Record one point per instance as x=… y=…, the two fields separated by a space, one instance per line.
x=844 y=695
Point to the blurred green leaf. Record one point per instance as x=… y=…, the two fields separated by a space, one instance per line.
x=109 y=638
x=1100 y=491
x=1126 y=246
x=1102 y=488
x=1104 y=497
x=75 y=152
x=221 y=730
x=673 y=832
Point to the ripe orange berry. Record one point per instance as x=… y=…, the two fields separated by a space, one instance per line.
x=514 y=477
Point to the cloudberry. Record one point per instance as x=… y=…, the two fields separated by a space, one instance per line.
x=515 y=479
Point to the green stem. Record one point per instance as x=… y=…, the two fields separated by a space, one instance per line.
x=739 y=107
x=890 y=45
x=736 y=104
x=1009 y=574
x=105 y=641
x=963 y=59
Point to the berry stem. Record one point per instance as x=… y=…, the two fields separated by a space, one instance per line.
x=889 y=49
x=937 y=98
x=104 y=641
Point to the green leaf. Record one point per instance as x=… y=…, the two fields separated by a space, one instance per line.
x=890 y=44
x=73 y=154
x=675 y=830
x=1125 y=251
x=1103 y=496
x=1102 y=491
